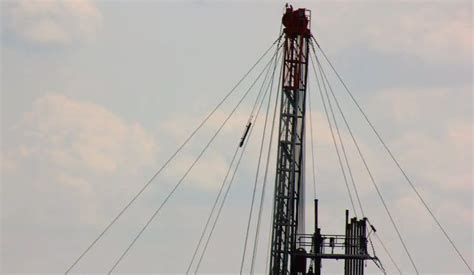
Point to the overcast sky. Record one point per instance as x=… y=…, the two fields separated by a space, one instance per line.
x=96 y=95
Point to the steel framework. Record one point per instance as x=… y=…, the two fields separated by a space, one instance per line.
x=290 y=163
x=289 y=242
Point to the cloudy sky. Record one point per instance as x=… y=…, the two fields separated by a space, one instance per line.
x=95 y=96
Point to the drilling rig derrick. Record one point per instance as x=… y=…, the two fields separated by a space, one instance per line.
x=292 y=251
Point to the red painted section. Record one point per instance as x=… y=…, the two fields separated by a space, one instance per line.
x=296 y=22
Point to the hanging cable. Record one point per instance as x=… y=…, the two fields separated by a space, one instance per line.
x=405 y=175
x=379 y=265
x=228 y=189
x=186 y=173
x=375 y=259
x=228 y=171
x=262 y=197
x=169 y=159
x=370 y=175
x=332 y=135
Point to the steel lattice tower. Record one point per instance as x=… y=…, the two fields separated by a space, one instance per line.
x=290 y=164
x=291 y=248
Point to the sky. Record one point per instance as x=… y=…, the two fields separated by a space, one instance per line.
x=96 y=95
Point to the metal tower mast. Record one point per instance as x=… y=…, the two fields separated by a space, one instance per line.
x=288 y=199
x=289 y=242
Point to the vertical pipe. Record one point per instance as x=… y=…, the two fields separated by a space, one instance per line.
x=355 y=270
x=353 y=241
x=317 y=264
x=315 y=214
x=363 y=242
x=358 y=239
x=346 y=244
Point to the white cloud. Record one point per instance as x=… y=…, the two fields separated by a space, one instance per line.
x=427 y=32
x=181 y=126
x=51 y=22
x=434 y=32
x=71 y=149
x=443 y=160
x=404 y=105
x=72 y=133
x=207 y=174
x=435 y=136
x=68 y=163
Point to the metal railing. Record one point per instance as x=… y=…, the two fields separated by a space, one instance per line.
x=331 y=244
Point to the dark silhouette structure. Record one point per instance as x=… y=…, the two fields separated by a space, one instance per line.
x=292 y=251
x=288 y=201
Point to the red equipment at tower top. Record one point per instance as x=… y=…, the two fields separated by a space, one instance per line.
x=296 y=22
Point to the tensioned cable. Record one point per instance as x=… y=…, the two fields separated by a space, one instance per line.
x=346 y=159
x=213 y=209
x=255 y=104
x=347 y=162
x=270 y=86
x=227 y=192
x=351 y=176
x=254 y=192
x=267 y=262
x=333 y=136
x=170 y=158
x=187 y=171
x=355 y=188
x=256 y=177
x=262 y=197
x=221 y=205
x=344 y=154
x=225 y=179
x=223 y=201
x=269 y=247
x=388 y=253
x=313 y=164
x=270 y=233
x=325 y=80
x=370 y=174
x=396 y=161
